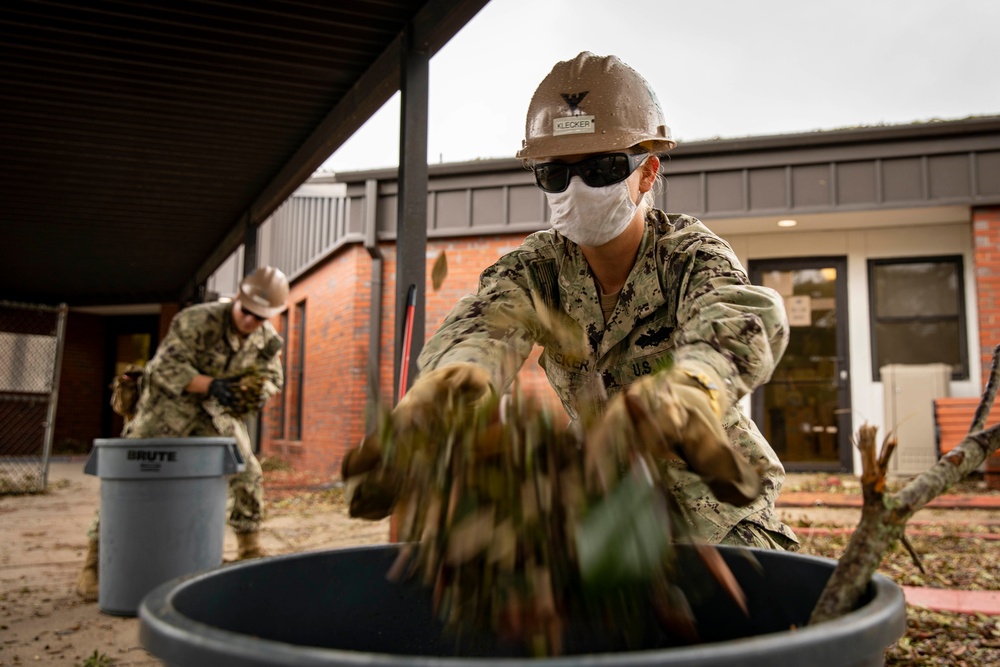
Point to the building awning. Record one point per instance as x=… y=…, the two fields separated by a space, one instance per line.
x=142 y=141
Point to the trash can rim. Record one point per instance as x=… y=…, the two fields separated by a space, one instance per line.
x=164 y=442
x=105 y=458
x=161 y=625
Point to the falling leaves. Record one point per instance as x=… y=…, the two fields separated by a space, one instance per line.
x=512 y=538
x=440 y=271
x=531 y=532
x=624 y=539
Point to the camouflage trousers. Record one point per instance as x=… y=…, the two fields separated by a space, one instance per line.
x=749 y=534
x=245 y=504
x=245 y=501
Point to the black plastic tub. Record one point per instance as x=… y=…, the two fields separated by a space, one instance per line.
x=337 y=608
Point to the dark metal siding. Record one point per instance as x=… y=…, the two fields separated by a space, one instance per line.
x=933 y=164
x=499 y=196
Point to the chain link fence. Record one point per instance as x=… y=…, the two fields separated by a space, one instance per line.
x=31 y=344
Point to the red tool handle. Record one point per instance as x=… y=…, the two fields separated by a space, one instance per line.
x=404 y=361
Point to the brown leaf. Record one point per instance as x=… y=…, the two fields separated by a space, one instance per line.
x=674 y=611
x=402 y=563
x=503 y=549
x=470 y=536
x=440 y=270
x=717 y=566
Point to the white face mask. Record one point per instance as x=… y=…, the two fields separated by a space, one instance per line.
x=591 y=216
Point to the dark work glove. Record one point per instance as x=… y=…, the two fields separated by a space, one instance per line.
x=221 y=390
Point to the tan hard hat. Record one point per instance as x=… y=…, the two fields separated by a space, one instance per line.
x=593 y=104
x=264 y=292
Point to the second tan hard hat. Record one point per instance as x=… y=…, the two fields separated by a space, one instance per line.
x=264 y=292
x=593 y=104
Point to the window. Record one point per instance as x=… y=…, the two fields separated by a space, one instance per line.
x=298 y=365
x=283 y=324
x=918 y=313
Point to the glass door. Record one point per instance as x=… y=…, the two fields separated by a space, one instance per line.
x=805 y=410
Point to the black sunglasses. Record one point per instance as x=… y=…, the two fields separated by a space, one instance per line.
x=596 y=172
x=253 y=315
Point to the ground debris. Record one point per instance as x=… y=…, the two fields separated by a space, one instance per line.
x=949 y=561
x=945 y=638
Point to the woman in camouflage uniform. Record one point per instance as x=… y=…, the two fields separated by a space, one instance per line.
x=219 y=362
x=663 y=306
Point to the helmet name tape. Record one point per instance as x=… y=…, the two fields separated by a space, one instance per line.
x=572 y=125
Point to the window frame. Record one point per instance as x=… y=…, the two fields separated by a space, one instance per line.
x=958 y=262
x=298 y=370
x=282 y=409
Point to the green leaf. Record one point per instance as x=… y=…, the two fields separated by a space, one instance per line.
x=624 y=539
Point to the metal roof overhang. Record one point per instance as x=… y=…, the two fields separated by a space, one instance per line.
x=141 y=142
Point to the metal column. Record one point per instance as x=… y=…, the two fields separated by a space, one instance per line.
x=411 y=237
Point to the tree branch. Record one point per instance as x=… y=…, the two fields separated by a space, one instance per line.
x=884 y=516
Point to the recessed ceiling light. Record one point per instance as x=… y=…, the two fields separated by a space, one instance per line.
x=787 y=223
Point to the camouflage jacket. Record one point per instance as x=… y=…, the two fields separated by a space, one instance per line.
x=687 y=301
x=201 y=341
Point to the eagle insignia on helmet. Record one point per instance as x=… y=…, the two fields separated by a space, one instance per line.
x=573 y=100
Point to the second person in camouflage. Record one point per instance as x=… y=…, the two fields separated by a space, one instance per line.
x=191 y=389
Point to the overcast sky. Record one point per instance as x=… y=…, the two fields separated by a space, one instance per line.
x=721 y=68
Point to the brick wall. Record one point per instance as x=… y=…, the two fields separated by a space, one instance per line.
x=335 y=384
x=167 y=312
x=81 y=384
x=333 y=380
x=986 y=230
x=83 y=381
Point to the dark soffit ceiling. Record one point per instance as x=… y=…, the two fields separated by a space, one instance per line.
x=141 y=140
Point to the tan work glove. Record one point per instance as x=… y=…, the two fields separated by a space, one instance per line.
x=678 y=415
x=439 y=399
x=371 y=487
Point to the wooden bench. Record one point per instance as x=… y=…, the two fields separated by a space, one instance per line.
x=952 y=418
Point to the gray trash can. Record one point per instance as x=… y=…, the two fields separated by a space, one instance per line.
x=163 y=512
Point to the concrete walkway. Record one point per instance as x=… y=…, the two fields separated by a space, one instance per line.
x=948 y=599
